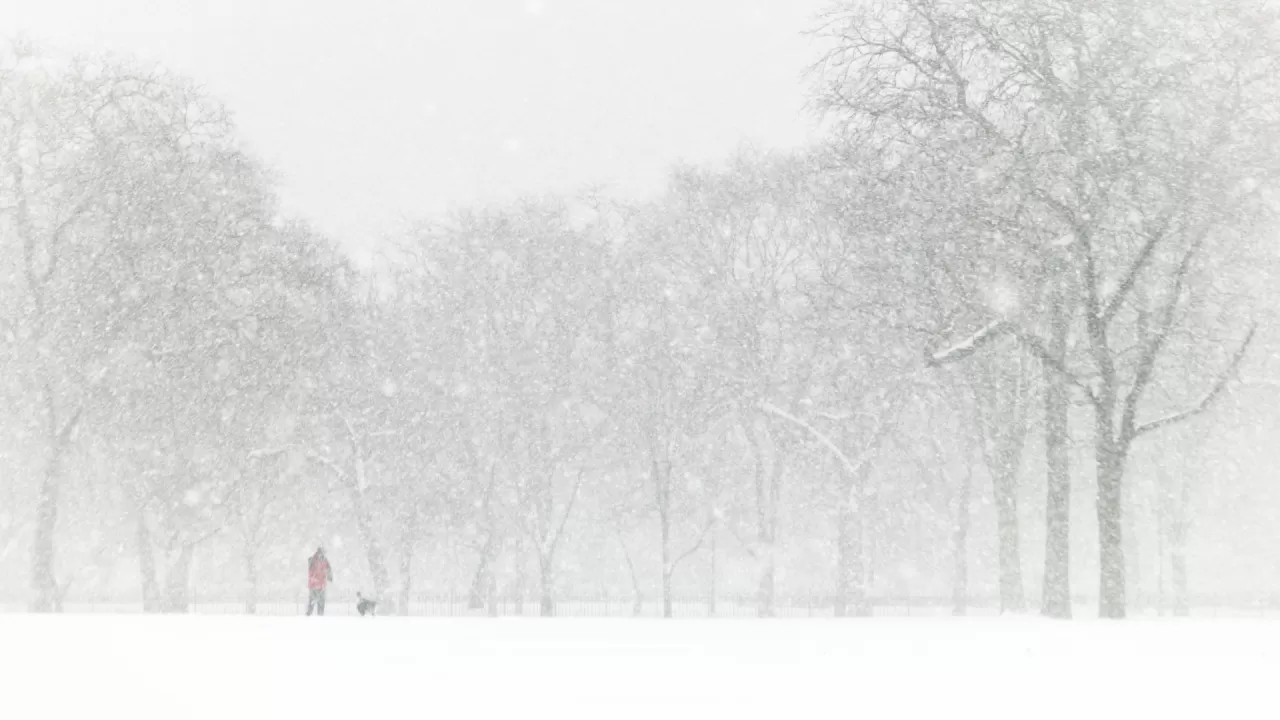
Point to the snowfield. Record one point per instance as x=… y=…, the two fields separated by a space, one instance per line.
x=144 y=667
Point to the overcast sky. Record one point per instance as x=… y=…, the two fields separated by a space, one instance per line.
x=377 y=110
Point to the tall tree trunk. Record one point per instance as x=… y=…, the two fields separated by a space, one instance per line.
x=769 y=538
x=766 y=592
x=521 y=580
x=491 y=592
x=1178 y=573
x=1132 y=543
x=177 y=580
x=767 y=496
x=666 y=568
x=364 y=526
x=546 y=604
x=711 y=581
x=850 y=565
x=44 y=583
x=637 y=600
x=662 y=490
x=477 y=596
x=408 y=531
x=1000 y=412
x=1005 y=489
x=1110 y=471
x=960 y=561
x=147 y=567
x=406 y=580
x=1056 y=601
x=251 y=580
x=1178 y=532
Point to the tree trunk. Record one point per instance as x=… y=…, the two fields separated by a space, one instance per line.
x=637 y=601
x=407 y=532
x=521 y=580
x=147 y=567
x=1178 y=532
x=1110 y=470
x=1178 y=571
x=176 y=582
x=44 y=583
x=364 y=525
x=662 y=491
x=766 y=487
x=406 y=580
x=1056 y=600
x=251 y=577
x=476 y=597
x=960 y=585
x=711 y=581
x=1005 y=489
x=667 y=610
x=491 y=593
x=1000 y=411
x=1132 y=544
x=765 y=594
x=546 y=604
x=769 y=544
x=850 y=570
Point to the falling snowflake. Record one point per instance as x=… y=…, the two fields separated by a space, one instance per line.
x=1002 y=297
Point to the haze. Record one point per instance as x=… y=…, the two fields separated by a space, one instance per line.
x=381 y=110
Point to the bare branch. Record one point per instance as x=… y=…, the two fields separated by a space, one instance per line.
x=64 y=433
x=1154 y=344
x=969 y=345
x=746 y=546
x=996 y=329
x=702 y=537
x=1038 y=348
x=1207 y=401
x=564 y=520
x=1112 y=305
x=328 y=463
x=851 y=466
x=269 y=452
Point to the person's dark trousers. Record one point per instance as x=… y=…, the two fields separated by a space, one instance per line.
x=315 y=601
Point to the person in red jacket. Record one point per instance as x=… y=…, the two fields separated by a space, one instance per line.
x=319 y=574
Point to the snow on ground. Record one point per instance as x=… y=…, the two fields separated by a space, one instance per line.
x=144 y=667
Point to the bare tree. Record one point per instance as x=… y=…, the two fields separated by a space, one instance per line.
x=1135 y=178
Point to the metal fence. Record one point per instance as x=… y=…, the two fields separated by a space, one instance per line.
x=804 y=606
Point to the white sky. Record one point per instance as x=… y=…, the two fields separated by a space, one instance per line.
x=378 y=110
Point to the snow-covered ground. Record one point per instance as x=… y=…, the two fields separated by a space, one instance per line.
x=141 y=667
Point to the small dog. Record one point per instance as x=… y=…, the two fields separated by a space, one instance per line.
x=365 y=606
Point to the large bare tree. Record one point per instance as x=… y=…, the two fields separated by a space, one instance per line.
x=1123 y=143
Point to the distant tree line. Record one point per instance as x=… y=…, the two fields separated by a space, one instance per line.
x=1021 y=279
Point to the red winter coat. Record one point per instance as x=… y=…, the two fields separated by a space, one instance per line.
x=318 y=572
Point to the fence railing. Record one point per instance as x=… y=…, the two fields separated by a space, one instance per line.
x=802 y=606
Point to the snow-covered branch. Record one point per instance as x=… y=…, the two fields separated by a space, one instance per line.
x=261 y=453
x=851 y=466
x=995 y=329
x=1207 y=401
x=969 y=345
